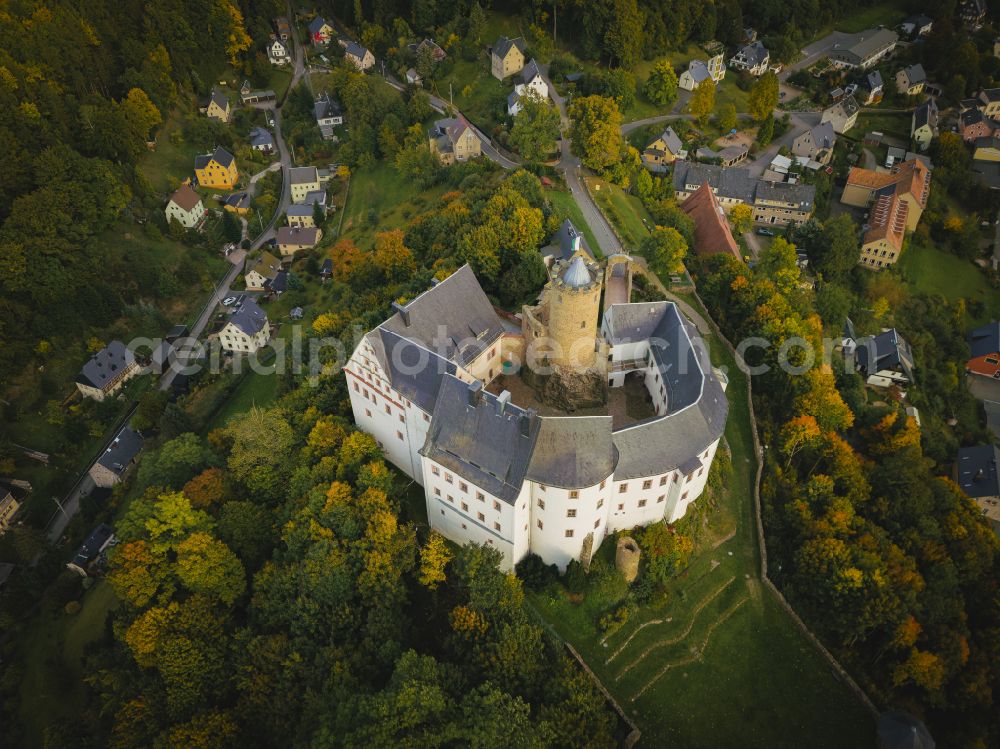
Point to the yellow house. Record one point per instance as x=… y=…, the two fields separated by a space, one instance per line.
x=216 y=171
x=8 y=508
x=666 y=149
x=507 y=57
x=453 y=140
x=987 y=149
x=218 y=106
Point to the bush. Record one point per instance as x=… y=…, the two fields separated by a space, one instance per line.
x=615 y=620
x=535 y=574
x=575 y=579
x=72 y=608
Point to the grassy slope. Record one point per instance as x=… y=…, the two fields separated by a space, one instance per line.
x=935 y=271
x=740 y=673
x=625 y=211
x=565 y=204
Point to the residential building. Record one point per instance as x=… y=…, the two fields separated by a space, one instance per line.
x=972 y=12
x=712 y=235
x=517 y=97
x=507 y=57
x=494 y=471
x=329 y=114
x=911 y=80
x=247 y=330
x=727 y=157
x=663 y=150
x=261 y=140
x=454 y=140
x=278 y=51
x=92 y=549
x=107 y=371
x=217 y=107
x=117 y=458
x=301 y=215
x=303 y=180
x=874 y=88
x=976 y=473
x=263 y=270
x=185 y=207
x=882 y=244
x=291 y=239
x=864 y=49
x=783 y=203
x=249 y=95
x=816 y=144
x=776 y=203
x=987 y=148
x=973 y=125
x=984 y=345
x=320 y=31
x=437 y=53
x=843 y=115
x=282 y=28
x=918 y=25
x=533 y=81
x=238 y=203
x=360 y=57
x=216 y=170
x=413 y=77
x=9 y=506
x=885 y=359
x=753 y=58
x=911 y=180
x=924 y=124
x=716 y=62
x=696 y=74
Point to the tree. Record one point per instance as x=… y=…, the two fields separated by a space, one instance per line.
x=665 y=250
x=260 y=464
x=702 y=101
x=206 y=565
x=596 y=133
x=434 y=558
x=175 y=462
x=232 y=229
x=392 y=257
x=207 y=489
x=319 y=215
x=727 y=118
x=766 y=131
x=838 y=253
x=475 y=25
x=348 y=261
x=535 y=129
x=140 y=113
x=661 y=86
x=763 y=97
x=741 y=217
x=623 y=40
x=150 y=409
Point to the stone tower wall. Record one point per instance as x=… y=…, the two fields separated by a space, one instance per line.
x=573 y=318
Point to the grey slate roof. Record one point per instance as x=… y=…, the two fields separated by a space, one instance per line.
x=573 y=452
x=355 y=50
x=249 y=317
x=316 y=24
x=473 y=434
x=925 y=114
x=736 y=183
x=413 y=371
x=301 y=175
x=122 y=450
x=699 y=71
x=221 y=155
x=866 y=43
x=754 y=54
x=454 y=318
x=503 y=45
x=220 y=99
x=260 y=137
x=90 y=548
x=874 y=81
x=972 y=117
x=326 y=108
x=672 y=140
x=886 y=351
x=823 y=135
x=915 y=74
x=803 y=195
x=529 y=71
x=105 y=365
x=985 y=340
x=977 y=470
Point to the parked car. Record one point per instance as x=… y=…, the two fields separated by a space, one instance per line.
x=764 y=232
x=229 y=301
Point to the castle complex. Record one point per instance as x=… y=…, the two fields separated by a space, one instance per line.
x=546 y=433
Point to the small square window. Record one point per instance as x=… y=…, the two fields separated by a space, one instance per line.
x=541 y=504
x=600 y=503
x=480 y=516
x=480 y=497
x=437 y=492
x=399 y=434
x=402 y=419
x=368 y=413
x=463 y=486
x=622 y=488
x=621 y=507
x=388 y=410
x=603 y=483
x=647 y=484
x=663 y=480
x=540 y=526
x=642 y=503
x=569 y=533
x=449 y=478
x=451 y=499
x=496 y=505
x=685 y=495
x=542 y=487
x=571 y=513
x=356 y=388
x=426 y=417
x=465 y=507
x=597 y=522
x=660 y=498
x=496 y=526
x=435 y=470
x=574 y=494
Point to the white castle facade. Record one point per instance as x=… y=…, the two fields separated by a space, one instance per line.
x=505 y=475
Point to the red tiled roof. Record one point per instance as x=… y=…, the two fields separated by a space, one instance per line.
x=711 y=230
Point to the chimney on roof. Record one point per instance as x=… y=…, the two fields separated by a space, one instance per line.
x=502 y=400
x=475 y=392
x=404 y=314
x=980 y=475
x=526 y=420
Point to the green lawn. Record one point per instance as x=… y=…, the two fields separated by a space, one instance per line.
x=868 y=17
x=718 y=664
x=625 y=212
x=895 y=125
x=258 y=390
x=52 y=687
x=169 y=163
x=935 y=271
x=379 y=191
x=565 y=204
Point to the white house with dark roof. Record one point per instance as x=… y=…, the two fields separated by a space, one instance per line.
x=278 y=51
x=329 y=114
x=261 y=140
x=302 y=180
x=753 y=58
x=816 y=144
x=885 y=359
x=696 y=74
x=107 y=371
x=924 y=124
x=117 y=458
x=976 y=471
x=185 y=207
x=843 y=115
x=247 y=330
x=533 y=81
x=427 y=384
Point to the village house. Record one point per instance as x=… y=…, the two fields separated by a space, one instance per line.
x=976 y=472
x=507 y=57
x=924 y=124
x=217 y=106
x=753 y=58
x=291 y=239
x=696 y=74
x=263 y=269
x=437 y=54
x=360 y=57
x=185 y=207
x=454 y=140
x=303 y=180
x=727 y=157
x=972 y=13
x=984 y=345
x=910 y=180
x=117 y=458
x=885 y=359
x=301 y=215
x=413 y=77
x=882 y=244
x=107 y=371
x=261 y=140
x=9 y=506
x=973 y=125
x=988 y=102
x=249 y=95
x=663 y=150
x=783 y=203
x=532 y=79
x=911 y=80
x=238 y=203
x=843 y=115
x=874 y=88
x=816 y=144
x=217 y=170
x=864 y=49
x=91 y=550
x=916 y=26
x=320 y=31
x=986 y=148
x=282 y=28
x=277 y=51
x=329 y=114
x=247 y=330
x=712 y=235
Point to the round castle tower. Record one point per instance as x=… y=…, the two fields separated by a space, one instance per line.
x=573 y=297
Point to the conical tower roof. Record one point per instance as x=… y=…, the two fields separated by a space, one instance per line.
x=576 y=275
